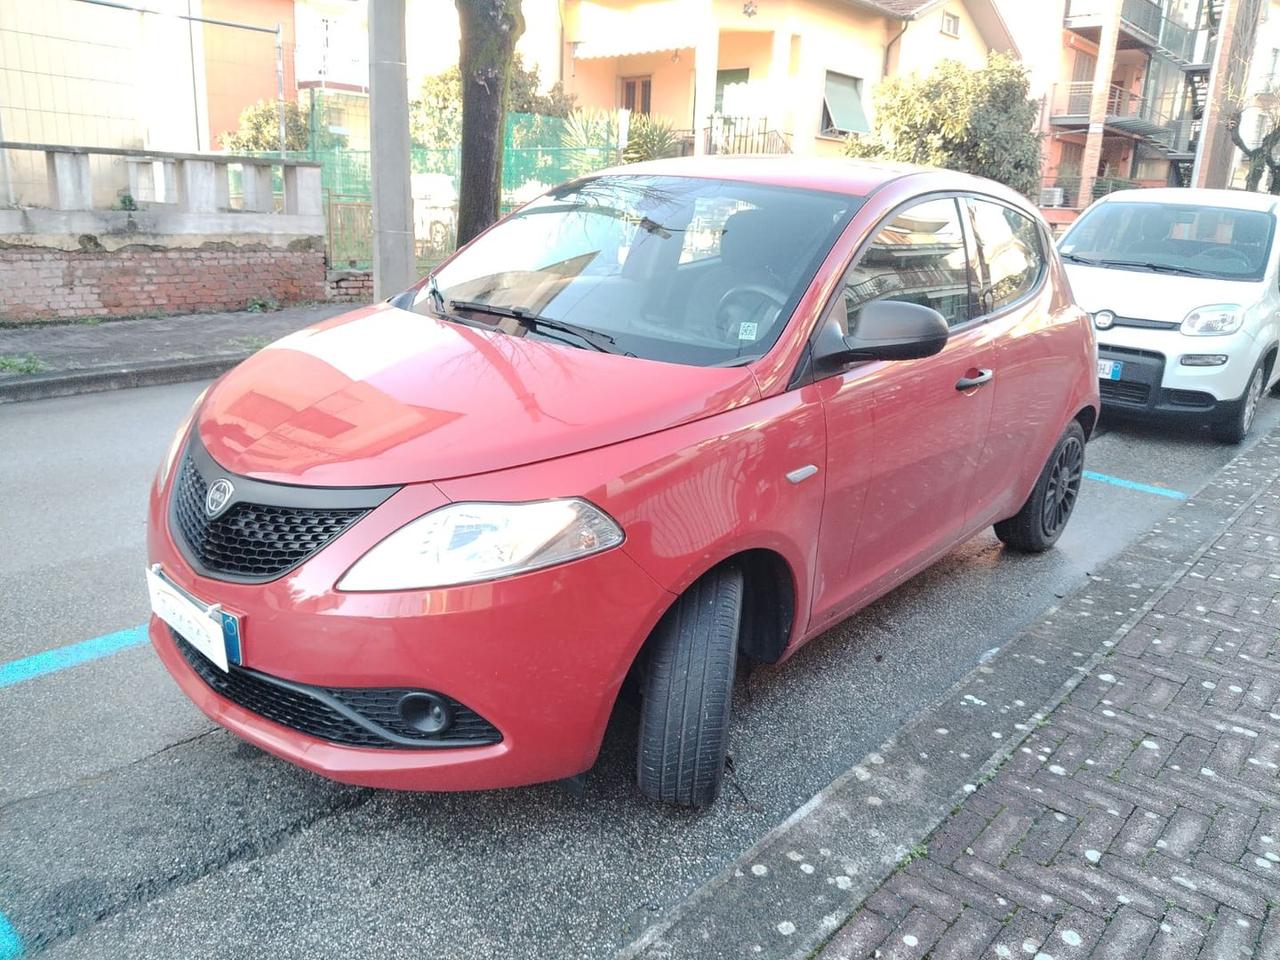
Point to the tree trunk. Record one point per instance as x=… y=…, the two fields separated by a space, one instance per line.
x=490 y=29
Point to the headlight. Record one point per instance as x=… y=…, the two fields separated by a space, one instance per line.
x=1215 y=320
x=470 y=542
x=170 y=455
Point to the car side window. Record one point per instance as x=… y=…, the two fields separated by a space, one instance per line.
x=919 y=257
x=1010 y=253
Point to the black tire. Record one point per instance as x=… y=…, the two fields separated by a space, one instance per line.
x=687 y=692
x=1236 y=426
x=1038 y=525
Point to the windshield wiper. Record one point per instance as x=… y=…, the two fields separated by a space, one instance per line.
x=1076 y=258
x=532 y=321
x=1157 y=267
x=437 y=298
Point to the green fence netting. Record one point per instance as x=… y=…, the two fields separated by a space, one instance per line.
x=534 y=158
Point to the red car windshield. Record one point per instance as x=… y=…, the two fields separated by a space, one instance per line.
x=679 y=269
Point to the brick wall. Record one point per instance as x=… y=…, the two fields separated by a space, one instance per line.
x=47 y=284
x=349 y=286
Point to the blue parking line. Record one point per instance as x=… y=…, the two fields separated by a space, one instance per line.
x=1134 y=485
x=50 y=661
x=10 y=942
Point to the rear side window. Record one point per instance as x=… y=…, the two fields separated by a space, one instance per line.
x=1010 y=254
x=919 y=257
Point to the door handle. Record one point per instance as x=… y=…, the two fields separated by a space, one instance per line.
x=968 y=383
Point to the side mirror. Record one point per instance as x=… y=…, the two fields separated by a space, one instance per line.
x=887 y=330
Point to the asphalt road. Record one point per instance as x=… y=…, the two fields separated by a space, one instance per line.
x=130 y=826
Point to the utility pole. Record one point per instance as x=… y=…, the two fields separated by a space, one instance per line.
x=280 y=86
x=393 y=263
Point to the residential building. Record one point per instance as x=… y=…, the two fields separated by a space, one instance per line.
x=764 y=75
x=1139 y=98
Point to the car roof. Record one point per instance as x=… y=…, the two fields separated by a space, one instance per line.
x=1231 y=199
x=833 y=174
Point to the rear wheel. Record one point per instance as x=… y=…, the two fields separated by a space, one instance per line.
x=687 y=692
x=1236 y=427
x=1038 y=525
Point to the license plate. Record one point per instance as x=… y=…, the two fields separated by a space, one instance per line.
x=1109 y=369
x=207 y=627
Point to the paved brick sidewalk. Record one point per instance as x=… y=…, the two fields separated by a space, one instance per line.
x=84 y=357
x=1142 y=818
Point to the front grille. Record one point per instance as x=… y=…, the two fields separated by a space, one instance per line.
x=351 y=716
x=1124 y=390
x=251 y=541
x=1107 y=349
x=1190 y=398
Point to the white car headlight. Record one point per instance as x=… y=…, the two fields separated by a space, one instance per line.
x=1215 y=320
x=471 y=542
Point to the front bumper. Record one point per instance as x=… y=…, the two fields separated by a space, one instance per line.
x=540 y=656
x=1155 y=382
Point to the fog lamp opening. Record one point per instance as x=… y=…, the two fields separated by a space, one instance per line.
x=1204 y=360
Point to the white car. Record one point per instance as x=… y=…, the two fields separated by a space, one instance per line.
x=1184 y=289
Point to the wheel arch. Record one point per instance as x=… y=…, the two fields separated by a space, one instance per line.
x=770 y=603
x=1087 y=417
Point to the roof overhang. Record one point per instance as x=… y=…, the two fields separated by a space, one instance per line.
x=986 y=17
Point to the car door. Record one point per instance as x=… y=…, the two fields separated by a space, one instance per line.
x=903 y=437
x=1037 y=347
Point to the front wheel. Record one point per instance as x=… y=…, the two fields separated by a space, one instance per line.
x=1038 y=525
x=1236 y=427
x=688 y=692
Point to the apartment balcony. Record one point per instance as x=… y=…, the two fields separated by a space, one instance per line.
x=1126 y=112
x=1143 y=26
x=1061 y=191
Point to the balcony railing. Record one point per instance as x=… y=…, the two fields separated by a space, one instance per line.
x=743 y=135
x=1062 y=190
x=1072 y=104
x=1144 y=19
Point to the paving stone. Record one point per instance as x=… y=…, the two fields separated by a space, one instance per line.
x=1142 y=818
x=858 y=938
x=1127 y=936
x=967 y=937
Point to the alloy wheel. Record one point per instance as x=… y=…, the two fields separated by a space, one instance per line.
x=1063 y=487
x=1252 y=396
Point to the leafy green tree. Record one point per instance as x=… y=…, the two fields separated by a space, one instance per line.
x=978 y=121
x=259 y=130
x=435 y=115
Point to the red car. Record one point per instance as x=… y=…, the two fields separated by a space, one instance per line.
x=659 y=418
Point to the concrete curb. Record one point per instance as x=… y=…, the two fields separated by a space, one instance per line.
x=42 y=386
x=799 y=884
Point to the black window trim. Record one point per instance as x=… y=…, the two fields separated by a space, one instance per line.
x=1032 y=291
x=803 y=372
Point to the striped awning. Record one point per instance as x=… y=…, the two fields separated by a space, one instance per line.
x=654 y=27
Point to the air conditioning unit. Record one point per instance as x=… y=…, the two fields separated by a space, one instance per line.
x=1052 y=196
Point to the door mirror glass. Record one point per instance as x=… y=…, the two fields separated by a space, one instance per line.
x=886 y=330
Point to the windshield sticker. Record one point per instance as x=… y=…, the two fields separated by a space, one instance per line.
x=747 y=330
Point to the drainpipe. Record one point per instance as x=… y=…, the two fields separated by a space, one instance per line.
x=888 y=48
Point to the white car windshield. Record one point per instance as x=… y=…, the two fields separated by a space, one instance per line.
x=679 y=269
x=1201 y=241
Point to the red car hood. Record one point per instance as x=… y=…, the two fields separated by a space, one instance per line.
x=381 y=396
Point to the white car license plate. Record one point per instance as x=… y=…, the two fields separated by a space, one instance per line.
x=204 y=627
x=1109 y=369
